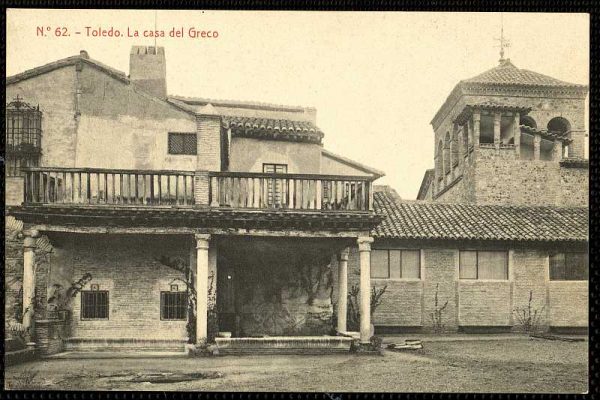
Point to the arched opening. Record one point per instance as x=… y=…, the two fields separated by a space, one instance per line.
x=454 y=147
x=439 y=160
x=528 y=121
x=559 y=125
x=447 y=156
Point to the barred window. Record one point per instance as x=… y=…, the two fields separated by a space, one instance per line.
x=183 y=143
x=173 y=305
x=23 y=133
x=94 y=304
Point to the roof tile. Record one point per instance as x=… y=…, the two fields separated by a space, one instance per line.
x=426 y=220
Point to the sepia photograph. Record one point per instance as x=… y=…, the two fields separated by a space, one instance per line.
x=296 y=201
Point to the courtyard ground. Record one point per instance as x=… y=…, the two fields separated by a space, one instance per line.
x=445 y=366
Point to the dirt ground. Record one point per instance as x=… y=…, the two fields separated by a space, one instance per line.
x=473 y=366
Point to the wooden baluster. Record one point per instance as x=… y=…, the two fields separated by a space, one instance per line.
x=319 y=195
x=169 y=189
x=177 y=189
x=261 y=203
x=25 y=191
x=185 y=194
x=159 y=178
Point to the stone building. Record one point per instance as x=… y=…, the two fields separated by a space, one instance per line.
x=137 y=219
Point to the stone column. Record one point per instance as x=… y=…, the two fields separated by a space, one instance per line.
x=202 y=244
x=29 y=245
x=497 y=119
x=537 y=139
x=517 y=134
x=342 y=307
x=558 y=150
x=364 y=248
x=476 y=127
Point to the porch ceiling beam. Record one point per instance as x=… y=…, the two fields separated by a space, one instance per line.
x=286 y=233
x=116 y=230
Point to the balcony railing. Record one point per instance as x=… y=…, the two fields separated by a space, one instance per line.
x=108 y=186
x=290 y=191
x=237 y=190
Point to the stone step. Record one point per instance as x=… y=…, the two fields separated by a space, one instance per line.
x=124 y=344
x=19 y=356
x=284 y=345
x=13 y=344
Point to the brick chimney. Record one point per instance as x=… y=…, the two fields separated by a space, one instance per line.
x=148 y=69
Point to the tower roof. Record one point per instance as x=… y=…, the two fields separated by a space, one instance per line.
x=508 y=74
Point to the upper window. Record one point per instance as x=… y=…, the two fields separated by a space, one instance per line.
x=183 y=143
x=23 y=136
x=94 y=304
x=569 y=267
x=396 y=264
x=559 y=125
x=483 y=265
x=173 y=305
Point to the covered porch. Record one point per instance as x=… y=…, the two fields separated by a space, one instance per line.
x=254 y=290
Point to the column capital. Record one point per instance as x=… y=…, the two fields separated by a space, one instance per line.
x=364 y=243
x=30 y=239
x=343 y=255
x=202 y=240
x=476 y=115
x=497 y=117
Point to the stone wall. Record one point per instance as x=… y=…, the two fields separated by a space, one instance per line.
x=498 y=177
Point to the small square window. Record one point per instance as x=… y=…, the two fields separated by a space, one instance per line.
x=94 y=287
x=174 y=288
x=94 y=304
x=173 y=305
x=183 y=143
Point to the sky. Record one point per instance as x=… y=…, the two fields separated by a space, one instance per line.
x=376 y=78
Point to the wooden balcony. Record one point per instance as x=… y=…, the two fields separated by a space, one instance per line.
x=226 y=190
x=93 y=186
x=290 y=191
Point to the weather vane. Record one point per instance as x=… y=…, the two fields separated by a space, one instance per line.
x=504 y=43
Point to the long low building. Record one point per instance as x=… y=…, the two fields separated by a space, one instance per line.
x=484 y=261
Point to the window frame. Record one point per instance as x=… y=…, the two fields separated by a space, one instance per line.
x=389 y=257
x=507 y=265
x=172 y=135
x=86 y=292
x=564 y=253
x=185 y=305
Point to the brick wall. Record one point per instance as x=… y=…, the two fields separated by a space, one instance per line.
x=568 y=303
x=127 y=268
x=484 y=303
x=474 y=303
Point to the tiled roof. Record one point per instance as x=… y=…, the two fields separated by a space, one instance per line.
x=284 y=129
x=444 y=221
x=550 y=135
x=200 y=101
x=507 y=74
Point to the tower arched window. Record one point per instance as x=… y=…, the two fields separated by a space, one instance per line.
x=528 y=121
x=454 y=148
x=23 y=128
x=439 y=160
x=447 y=164
x=561 y=127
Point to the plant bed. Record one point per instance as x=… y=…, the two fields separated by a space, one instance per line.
x=555 y=337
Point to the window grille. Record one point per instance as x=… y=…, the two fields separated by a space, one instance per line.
x=94 y=304
x=173 y=305
x=23 y=130
x=183 y=143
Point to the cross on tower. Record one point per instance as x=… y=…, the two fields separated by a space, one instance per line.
x=504 y=43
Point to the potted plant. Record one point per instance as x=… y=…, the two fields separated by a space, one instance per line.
x=60 y=300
